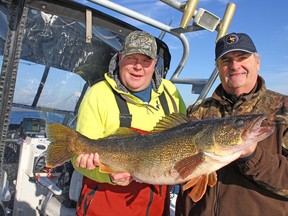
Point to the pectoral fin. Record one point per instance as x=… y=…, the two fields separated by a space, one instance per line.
x=186 y=166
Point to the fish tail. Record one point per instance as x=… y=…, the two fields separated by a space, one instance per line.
x=62 y=139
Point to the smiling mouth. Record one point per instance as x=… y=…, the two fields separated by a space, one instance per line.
x=236 y=74
x=135 y=75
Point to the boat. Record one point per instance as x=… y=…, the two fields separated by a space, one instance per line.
x=51 y=53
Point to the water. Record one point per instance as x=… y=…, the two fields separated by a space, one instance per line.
x=16 y=117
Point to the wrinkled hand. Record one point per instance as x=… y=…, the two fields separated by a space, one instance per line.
x=122 y=179
x=248 y=151
x=88 y=161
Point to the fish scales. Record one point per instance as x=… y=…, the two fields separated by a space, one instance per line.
x=139 y=152
x=178 y=150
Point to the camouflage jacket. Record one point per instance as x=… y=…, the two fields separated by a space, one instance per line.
x=257 y=185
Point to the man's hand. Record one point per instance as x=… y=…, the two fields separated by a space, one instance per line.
x=91 y=161
x=88 y=161
x=122 y=179
x=248 y=151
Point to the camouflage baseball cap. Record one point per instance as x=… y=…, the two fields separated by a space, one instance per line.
x=140 y=42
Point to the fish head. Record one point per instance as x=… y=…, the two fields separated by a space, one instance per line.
x=233 y=134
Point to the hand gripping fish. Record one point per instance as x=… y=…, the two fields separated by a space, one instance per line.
x=178 y=150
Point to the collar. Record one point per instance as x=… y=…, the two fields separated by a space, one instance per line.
x=221 y=95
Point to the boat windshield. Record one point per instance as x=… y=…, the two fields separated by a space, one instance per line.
x=48 y=62
x=57 y=65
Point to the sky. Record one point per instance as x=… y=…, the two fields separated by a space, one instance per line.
x=264 y=22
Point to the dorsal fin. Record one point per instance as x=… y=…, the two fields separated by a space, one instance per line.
x=170 y=121
x=122 y=132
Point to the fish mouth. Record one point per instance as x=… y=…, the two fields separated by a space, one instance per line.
x=255 y=132
x=252 y=133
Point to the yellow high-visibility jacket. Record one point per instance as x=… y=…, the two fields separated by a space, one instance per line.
x=99 y=114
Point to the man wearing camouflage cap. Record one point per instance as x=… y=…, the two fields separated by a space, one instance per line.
x=132 y=95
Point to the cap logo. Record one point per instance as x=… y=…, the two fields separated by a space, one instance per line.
x=231 y=39
x=232 y=43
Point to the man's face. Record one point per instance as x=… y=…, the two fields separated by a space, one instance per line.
x=136 y=71
x=238 y=72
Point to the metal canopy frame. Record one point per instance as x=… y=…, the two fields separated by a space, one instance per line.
x=200 y=85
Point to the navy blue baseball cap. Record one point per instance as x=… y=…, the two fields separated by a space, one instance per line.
x=234 y=42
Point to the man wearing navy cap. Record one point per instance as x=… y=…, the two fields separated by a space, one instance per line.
x=256 y=183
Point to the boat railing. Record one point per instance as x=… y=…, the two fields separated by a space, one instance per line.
x=202 y=20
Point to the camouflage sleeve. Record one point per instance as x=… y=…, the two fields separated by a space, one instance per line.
x=269 y=164
x=283 y=119
x=194 y=111
x=261 y=168
x=206 y=108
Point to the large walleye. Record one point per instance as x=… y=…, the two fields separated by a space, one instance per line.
x=178 y=150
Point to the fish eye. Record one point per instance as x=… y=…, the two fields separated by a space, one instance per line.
x=239 y=122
